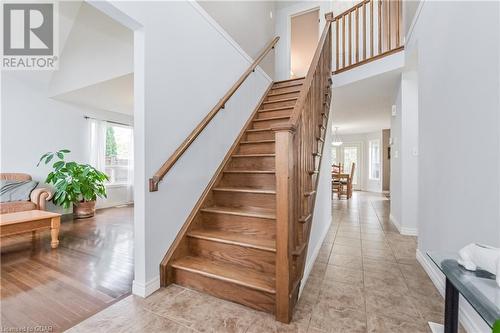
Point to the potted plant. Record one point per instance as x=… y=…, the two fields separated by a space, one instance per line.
x=75 y=184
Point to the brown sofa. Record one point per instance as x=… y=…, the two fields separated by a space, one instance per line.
x=38 y=198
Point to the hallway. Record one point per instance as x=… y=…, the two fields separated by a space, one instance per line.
x=365 y=279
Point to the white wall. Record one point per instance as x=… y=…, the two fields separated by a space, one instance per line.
x=365 y=183
x=404 y=156
x=304 y=39
x=249 y=23
x=322 y=216
x=459 y=126
x=284 y=13
x=176 y=85
x=93 y=44
x=33 y=124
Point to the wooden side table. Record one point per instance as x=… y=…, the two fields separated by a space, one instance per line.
x=32 y=220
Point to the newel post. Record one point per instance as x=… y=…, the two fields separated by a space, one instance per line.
x=284 y=221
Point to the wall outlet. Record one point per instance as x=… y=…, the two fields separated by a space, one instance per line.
x=394 y=111
x=414 y=151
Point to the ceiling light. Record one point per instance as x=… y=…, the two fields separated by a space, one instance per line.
x=336 y=138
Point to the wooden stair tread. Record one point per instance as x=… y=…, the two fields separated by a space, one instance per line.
x=281 y=100
x=240 y=239
x=251 y=171
x=253 y=155
x=227 y=272
x=242 y=211
x=288 y=80
x=244 y=190
x=277 y=109
x=257 y=141
x=272 y=118
x=285 y=92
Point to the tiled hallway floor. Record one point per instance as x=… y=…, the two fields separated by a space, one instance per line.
x=365 y=279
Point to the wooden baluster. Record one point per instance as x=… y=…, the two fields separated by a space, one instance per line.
x=350 y=38
x=284 y=209
x=389 y=26
x=357 y=34
x=343 y=41
x=398 y=10
x=379 y=26
x=364 y=31
x=371 y=28
x=337 y=42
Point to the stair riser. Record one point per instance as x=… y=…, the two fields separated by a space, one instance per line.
x=256 y=259
x=257 y=148
x=278 y=104
x=261 y=181
x=258 y=227
x=255 y=299
x=281 y=96
x=268 y=123
x=287 y=83
x=285 y=89
x=252 y=163
x=236 y=199
x=272 y=114
x=264 y=135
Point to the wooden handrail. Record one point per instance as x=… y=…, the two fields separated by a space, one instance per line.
x=158 y=176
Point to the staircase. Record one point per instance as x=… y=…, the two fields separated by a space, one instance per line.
x=246 y=238
x=230 y=249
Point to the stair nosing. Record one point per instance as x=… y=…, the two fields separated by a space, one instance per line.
x=257 y=141
x=251 y=171
x=276 y=109
x=253 y=155
x=259 y=129
x=273 y=118
x=280 y=100
x=223 y=278
x=289 y=80
x=284 y=93
x=235 y=213
x=193 y=234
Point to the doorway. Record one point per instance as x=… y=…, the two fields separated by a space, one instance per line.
x=347 y=154
x=304 y=39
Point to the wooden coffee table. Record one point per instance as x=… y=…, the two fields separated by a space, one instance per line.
x=32 y=220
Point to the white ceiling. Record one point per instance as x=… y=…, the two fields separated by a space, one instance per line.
x=115 y=95
x=365 y=106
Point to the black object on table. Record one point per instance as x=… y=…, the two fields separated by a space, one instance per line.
x=479 y=288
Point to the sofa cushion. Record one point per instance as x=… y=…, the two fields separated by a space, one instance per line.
x=16 y=206
x=15 y=190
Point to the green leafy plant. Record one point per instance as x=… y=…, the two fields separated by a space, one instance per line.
x=73 y=182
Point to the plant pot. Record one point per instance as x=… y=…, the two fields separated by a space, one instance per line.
x=85 y=209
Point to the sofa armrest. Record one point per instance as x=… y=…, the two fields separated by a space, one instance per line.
x=39 y=196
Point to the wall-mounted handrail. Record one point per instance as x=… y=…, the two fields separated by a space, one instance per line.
x=158 y=176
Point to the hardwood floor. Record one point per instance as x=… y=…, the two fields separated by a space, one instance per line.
x=91 y=269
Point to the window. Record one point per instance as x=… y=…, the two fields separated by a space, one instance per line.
x=374 y=165
x=335 y=155
x=119 y=154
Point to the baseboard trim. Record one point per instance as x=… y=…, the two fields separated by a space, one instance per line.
x=469 y=318
x=403 y=230
x=315 y=253
x=144 y=290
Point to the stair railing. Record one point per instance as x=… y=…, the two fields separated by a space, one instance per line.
x=298 y=150
x=160 y=174
x=367 y=31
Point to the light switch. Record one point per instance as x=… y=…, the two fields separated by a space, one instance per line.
x=414 y=151
x=396 y=154
x=394 y=111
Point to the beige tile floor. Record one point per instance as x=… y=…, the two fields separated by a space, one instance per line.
x=365 y=279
